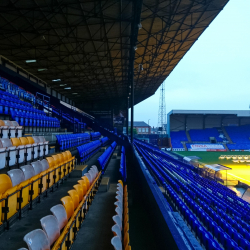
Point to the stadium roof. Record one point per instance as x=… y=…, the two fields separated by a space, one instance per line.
x=239 y=113
x=139 y=124
x=96 y=47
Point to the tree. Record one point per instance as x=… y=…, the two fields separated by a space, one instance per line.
x=134 y=131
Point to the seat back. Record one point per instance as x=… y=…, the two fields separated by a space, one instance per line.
x=51 y=162
x=41 y=138
x=79 y=191
x=88 y=175
x=5 y=183
x=2 y=123
x=30 y=140
x=56 y=159
x=116 y=231
x=15 y=142
x=38 y=167
x=60 y=213
x=37 y=239
x=116 y=242
x=68 y=205
x=16 y=176
x=83 y=185
x=28 y=171
x=44 y=164
x=51 y=227
x=86 y=181
x=15 y=123
x=7 y=123
x=75 y=197
x=36 y=139
x=23 y=141
x=6 y=142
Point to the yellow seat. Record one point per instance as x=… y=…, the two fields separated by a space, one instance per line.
x=65 y=165
x=61 y=164
x=79 y=191
x=15 y=142
x=84 y=186
x=126 y=239
x=71 y=166
x=75 y=197
x=6 y=190
x=52 y=170
x=68 y=205
x=86 y=182
x=57 y=166
x=121 y=182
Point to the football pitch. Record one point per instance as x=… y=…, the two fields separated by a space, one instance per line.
x=240 y=171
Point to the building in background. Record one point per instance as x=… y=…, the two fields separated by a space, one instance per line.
x=141 y=128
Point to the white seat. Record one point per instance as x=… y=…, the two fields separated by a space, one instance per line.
x=10 y=151
x=37 y=239
x=2 y=156
x=119 y=212
x=115 y=229
x=89 y=177
x=119 y=204
x=119 y=198
x=5 y=131
x=38 y=167
x=19 y=130
x=16 y=176
x=92 y=173
x=119 y=193
x=60 y=213
x=50 y=226
x=46 y=144
x=28 y=171
x=116 y=242
x=117 y=220
x=45 y=164
x=40 y=145
x=120 y=185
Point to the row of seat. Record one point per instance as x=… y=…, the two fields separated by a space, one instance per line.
x=22 y=150
x=214 y=213
x=67 y=141
x=95 y=136
x=86 y=150
x=10 y=129
x=121 y=219
x=104 y=141
x=60 y=229
x=105 y=157
x=123 y=169
x=20 y=187
x=28 y=119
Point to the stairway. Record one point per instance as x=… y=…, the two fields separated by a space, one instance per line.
x=188 y=137
x=226 y=134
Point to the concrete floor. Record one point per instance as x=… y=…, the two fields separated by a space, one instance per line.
x=96 y=233
x=13 y=238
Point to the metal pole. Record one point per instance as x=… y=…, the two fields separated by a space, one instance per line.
x=148 y=125
x=127 y=116
x=132 y=106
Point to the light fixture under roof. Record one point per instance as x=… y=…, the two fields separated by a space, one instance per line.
x=68 y=88
x=74 y=93
x=62 y=85
x=42 y=69
x=30 y=61
x=56 y=80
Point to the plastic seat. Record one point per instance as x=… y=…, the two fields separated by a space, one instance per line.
x=40 y=146
x=116 y=242
x=84 y=186
x=20 y=149
x=85 y=178
x=11 y=152
x=117 y=231
x=6 y=190
x=38 y=167
x=2 y=156
x=89 y=178
x=34 y=146
x=4 y=130
x=60 y=213
x=75 y=197
x=68 y=205
x=30 y=174
x=51 y=227
x=57 y=167
x=28 y=147
x=117 y=221
x=18 y=130
x=79 y=191
x=52 y=166
x=37 y=239
x=45 y=143
x=119 y=212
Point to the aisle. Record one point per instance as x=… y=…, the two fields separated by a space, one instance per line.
x=96 y=233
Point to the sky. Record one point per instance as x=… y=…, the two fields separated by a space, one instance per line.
x=215 y=72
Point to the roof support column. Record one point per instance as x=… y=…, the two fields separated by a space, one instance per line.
x=127 y=109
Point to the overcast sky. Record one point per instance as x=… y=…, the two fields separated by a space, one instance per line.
x=215 y=72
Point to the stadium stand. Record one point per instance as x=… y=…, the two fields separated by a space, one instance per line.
x=218 y=218
x=21 y=187
x=177 y=137
x=121 y=219
x=204 y=134
x=61 y=228
x=123 y=168
x=104 y=141
x=72 y=140
x=95 y=136
x=87 y=150
x=240 y=137
x=105 y=157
